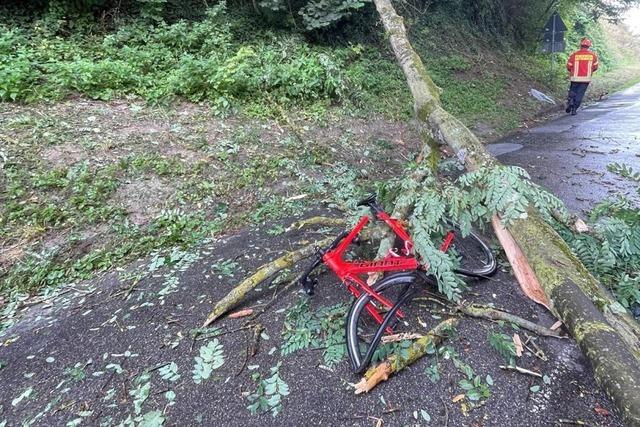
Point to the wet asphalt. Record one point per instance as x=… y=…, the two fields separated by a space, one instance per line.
x=570 y=155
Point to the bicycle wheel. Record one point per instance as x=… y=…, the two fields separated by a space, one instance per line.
x=364 y=333
x=474 y=255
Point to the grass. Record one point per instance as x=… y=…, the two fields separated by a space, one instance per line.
x=89 y=186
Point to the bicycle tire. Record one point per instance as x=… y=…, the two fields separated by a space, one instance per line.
x=475 y=257
x=391 y=287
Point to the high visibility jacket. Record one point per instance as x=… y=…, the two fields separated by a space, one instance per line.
x=581 y=64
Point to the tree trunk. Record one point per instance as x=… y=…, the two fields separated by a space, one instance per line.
x=606 y=333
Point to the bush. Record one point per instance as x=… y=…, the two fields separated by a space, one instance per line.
x=210 y=60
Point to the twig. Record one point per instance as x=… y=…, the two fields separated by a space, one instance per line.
x=538 y=351
x=316 y=220
x=446 y=412
x=252 y=346
x=574 y=422
x=521 y=370
x=490 y=313
x=273 y=299
x=265 y=272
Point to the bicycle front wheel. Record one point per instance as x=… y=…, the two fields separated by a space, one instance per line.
x=474 y=255
x=364 y=333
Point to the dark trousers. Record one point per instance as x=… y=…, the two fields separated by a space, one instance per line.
x=576 y=93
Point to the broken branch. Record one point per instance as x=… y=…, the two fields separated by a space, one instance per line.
x=489 y=313
x=396 y=363
x=521 y=370
x=263 y=273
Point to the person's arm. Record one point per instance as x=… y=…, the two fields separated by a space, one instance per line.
x=570 y=62
x=594 y=64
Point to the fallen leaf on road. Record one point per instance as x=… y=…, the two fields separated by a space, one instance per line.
x=458 y=398
x=242 y=313
x=517 y=342
x=601 y=411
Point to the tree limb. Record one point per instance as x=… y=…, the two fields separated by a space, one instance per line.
x=396 y=363
x=265 y=272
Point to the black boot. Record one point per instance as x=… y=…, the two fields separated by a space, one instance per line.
x=568 y=109
x=574 y=111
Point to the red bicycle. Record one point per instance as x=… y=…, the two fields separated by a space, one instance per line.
x=387 y=300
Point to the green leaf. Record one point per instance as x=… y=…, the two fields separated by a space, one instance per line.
x=465 y=384
x=489 y=380
x=152 y=419
x=534 y=389
x=24 y=395
x=473 y=394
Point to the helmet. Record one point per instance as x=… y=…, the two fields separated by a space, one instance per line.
x=585 y=42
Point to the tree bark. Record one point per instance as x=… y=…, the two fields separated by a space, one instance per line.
x=395 y=363
x=606 y=333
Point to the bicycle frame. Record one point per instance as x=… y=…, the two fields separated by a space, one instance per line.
x=351 y=272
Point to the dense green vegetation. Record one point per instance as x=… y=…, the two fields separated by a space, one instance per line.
x=216 y=59
x=234 y=58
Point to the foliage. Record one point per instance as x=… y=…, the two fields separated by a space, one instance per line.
x=141 y=391
x=473 y=198
x=322 y=328
x=625 y=171
x=504 y=345
x=211 y=357
x=320 y=14
x=611 y=249
x=211 y=60
x=169 y=372
x=269 y=393
x=475 y=387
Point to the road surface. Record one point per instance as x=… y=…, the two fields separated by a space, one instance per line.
x=570 y=155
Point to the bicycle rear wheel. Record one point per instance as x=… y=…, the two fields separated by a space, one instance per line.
x=475 y=257
x=364 y=333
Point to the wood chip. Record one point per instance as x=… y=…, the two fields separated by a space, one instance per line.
x=601 y=411
x=556 y=325
x=241 y=313
x=458 y=398
x=517 y=342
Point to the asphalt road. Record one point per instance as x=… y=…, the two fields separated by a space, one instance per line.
x=570 y=155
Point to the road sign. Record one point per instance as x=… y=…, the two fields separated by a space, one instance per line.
x=554 y=29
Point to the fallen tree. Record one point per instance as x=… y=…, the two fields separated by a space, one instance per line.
x=543 y=264
x=606 y=333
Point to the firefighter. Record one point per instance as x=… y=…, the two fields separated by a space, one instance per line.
x=581 y=64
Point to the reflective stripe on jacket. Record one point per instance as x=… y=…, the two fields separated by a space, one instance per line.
x=581 y=64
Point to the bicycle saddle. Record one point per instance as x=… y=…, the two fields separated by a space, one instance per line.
x=368 y=201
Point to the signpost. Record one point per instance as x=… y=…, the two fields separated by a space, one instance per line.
x=553 y=40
